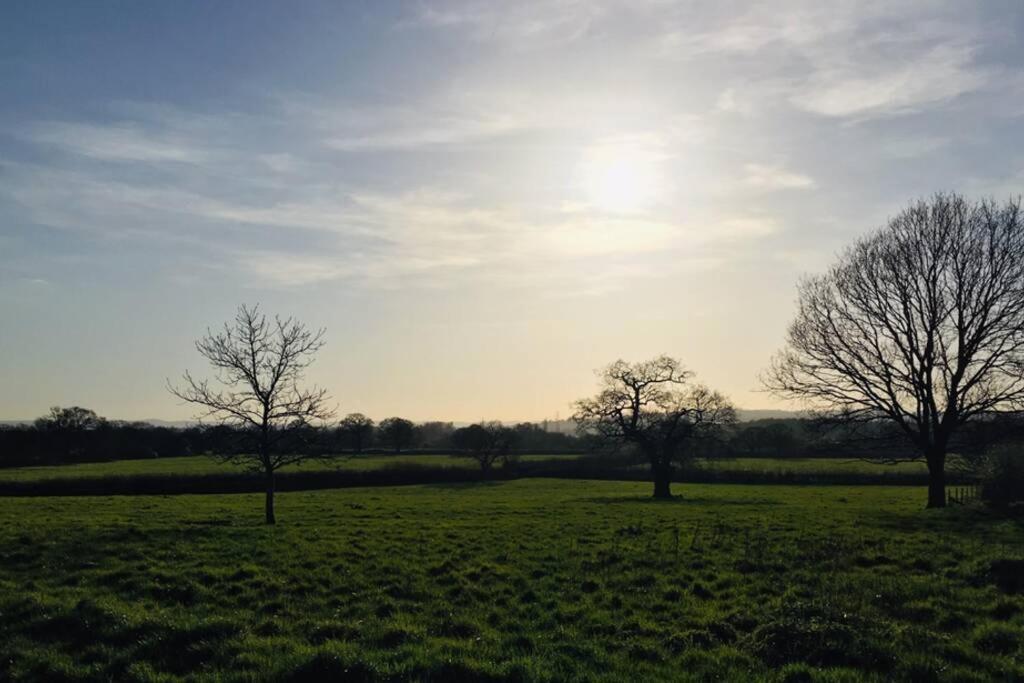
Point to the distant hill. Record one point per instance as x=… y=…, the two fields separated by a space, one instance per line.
x=749 y=415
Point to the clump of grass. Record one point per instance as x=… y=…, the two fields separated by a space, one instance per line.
x=822 y=635
x=998 y=639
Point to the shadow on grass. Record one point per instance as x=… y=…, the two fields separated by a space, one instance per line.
x=460 y=485
x=675 y=500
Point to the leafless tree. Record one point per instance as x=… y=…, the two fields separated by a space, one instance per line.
x=919 y=325
x=487 y=443
x=358 y=430
x=73 y=419
x=259 y=365
x=652 y=406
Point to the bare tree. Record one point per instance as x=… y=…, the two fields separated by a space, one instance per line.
x=73 y=419
x=919 y=325
x=651 y=405
x=397 y=432
x=358 y=430
x=487 y=443
x=259 y=365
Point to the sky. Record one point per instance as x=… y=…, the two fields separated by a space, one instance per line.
x=481 y=202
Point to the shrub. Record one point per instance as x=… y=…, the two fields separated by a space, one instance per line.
x=1002 y=476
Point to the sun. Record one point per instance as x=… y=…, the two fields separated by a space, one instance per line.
x=618 y=178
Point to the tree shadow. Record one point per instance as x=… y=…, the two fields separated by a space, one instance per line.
x=452 y=485
x=674 y=500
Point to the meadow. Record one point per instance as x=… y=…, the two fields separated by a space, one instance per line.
x=203 y=465
x=514 y=580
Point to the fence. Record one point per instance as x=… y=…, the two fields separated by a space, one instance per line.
x=961 y=495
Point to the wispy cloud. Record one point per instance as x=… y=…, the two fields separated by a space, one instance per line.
x=935 y=75
x=775 y=177
x=516 y=25
x=858 y=60
x=115 y=142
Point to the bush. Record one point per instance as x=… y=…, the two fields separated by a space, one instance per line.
x=1002 y=476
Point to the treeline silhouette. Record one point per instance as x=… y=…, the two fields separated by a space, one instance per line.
x=78 y=435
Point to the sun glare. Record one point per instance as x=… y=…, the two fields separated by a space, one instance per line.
x=619 y=178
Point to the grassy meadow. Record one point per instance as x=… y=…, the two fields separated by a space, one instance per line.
x=520 y=580
x=203 y=465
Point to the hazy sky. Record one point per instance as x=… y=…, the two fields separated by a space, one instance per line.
x=481 y=201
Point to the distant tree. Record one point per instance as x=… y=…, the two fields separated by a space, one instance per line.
x=651 y=406
x=433 y=434
x=73 y=419
x=357 y=430
x=919 y=325
x=772 y=437
x=259 y=365
x=535 y=437
x=396 y=432
x=487 y=443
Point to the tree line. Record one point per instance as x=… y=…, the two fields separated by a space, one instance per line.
x=76 y=435
x=68 y=435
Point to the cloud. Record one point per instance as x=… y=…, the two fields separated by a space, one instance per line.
x=435 y=132
x=844 y=60
x=773 y=177
x=516 y=25
x=115 y=142
x=746 y=227
x=886 y=88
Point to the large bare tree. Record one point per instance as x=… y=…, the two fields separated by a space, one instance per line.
x=259 y=366
x=919 y=325
x=652 y=406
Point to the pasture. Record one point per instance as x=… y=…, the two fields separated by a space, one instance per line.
x=203 y=465
x=517 y=580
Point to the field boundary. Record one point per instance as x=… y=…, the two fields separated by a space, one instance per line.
x=411 y=474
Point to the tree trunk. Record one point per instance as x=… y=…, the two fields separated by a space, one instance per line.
x=936 y=479
x=271 y=519
x=662 y=480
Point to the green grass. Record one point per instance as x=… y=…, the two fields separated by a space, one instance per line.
x=520 y=580
x=206 y=465
x=820 y=466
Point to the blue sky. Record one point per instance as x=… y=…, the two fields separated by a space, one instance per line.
x=481 y=202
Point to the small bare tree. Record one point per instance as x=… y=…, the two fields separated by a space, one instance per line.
x=919 y=325
x=651 y=406
x=259 y=365
x=487 y=443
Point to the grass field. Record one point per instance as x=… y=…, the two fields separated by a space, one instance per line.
x=821 y=466
x=205 y=465
x=208 y=465
x=520 y=580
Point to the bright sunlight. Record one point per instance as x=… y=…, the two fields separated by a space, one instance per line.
x=620 y=177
